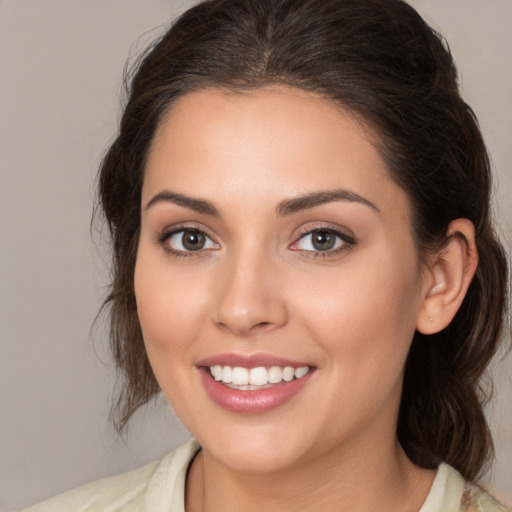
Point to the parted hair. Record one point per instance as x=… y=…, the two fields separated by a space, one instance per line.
x=380 y=61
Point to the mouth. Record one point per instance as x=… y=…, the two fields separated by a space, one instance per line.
x=253 y=379
x=253 y=384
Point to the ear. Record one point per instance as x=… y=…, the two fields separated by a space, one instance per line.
x=447 y=277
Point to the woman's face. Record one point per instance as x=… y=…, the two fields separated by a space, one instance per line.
x=272 y=237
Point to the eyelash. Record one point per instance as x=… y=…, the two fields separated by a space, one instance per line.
x=348 y=242
x=167 y=234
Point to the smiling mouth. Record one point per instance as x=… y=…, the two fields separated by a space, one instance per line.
x=253 y=379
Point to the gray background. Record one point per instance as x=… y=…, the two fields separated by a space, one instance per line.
x=61 y=64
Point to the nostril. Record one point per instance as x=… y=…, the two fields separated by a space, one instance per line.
x=241 y=329
x=262 y=326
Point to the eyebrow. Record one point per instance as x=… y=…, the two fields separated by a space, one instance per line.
x=198 y=205
x=284 y=208
x=296 y=204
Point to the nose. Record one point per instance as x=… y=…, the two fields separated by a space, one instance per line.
x=250 y=298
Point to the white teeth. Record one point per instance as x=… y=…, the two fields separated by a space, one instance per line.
x=227 y=372
x=275 y=375
x=258 y=376
x=300 y=372
x=250 y=379
x=288 y=373
x=240 y=376
x=217 y=372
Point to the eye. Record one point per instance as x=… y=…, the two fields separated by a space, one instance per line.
x=187 y=240
x=323 y=240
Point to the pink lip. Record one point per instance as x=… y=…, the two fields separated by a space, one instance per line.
x=249 y=361
x=253 y=401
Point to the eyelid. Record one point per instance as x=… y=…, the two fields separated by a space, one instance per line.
x=164 y=235
x=343 y=234
x=347 y=239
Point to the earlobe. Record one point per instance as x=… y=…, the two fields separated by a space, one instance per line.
x=448 y=277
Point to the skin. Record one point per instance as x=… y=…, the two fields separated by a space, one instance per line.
x=258 y=287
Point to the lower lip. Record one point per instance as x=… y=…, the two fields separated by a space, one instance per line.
x=252 y=401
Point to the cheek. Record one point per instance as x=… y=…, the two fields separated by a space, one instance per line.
x=169 y=306
x=365 y=314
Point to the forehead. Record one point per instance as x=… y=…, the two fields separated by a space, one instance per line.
x=280 y=141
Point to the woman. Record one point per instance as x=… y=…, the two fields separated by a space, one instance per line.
x=304 y=264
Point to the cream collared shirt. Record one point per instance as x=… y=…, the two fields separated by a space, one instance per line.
x=160 y=487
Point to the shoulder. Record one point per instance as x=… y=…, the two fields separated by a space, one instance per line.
x=97 y=495
x=451 y=493
x=130 y=491
x=475 y=499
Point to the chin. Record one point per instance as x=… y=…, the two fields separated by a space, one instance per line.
x=255 y=458
x=257 y=449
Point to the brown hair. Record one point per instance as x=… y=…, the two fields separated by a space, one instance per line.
x=379 y=60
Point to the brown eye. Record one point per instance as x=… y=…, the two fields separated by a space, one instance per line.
x=187 y=240
x=193 y=240
x=323 y=240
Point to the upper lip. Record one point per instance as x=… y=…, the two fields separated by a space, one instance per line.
x=249 y=361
